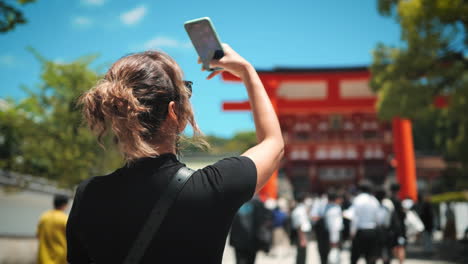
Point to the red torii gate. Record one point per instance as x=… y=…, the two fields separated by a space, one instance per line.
x=333 y=97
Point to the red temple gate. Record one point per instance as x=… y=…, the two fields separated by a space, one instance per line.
x=332 y=135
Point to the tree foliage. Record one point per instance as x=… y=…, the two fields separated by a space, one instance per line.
x=44 y=134
x=431 y=62
x=11 y=15
x=240 y=142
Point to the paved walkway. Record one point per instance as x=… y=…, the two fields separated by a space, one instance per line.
x=286 y=255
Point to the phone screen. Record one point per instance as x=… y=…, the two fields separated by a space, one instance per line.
x=205 y=41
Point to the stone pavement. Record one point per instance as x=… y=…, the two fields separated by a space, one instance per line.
x=286 y=255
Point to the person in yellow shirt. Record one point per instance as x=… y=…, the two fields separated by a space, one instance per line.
x=51 y=233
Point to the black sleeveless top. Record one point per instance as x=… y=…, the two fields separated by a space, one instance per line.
x=108 y=213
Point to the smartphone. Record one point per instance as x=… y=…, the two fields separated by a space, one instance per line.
x=205 y=40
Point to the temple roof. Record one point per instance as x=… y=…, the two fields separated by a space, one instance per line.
x=314 y=69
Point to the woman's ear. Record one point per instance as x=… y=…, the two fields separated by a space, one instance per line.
x=171 y=112
x=172 y=115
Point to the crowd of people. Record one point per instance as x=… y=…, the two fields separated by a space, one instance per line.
x=374 y=222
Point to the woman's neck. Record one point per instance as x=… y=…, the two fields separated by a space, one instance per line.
x=166 y=144
x=165 y=148
x=165 y=141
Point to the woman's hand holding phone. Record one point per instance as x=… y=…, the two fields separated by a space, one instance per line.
x=231 y=62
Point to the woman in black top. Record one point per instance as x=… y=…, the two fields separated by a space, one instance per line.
x=145 y=103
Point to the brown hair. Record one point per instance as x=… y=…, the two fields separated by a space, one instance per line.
x=132 y=100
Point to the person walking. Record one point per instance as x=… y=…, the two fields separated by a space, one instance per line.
x=51 y=233
x=345 y=205
x=398 y=227
x=318 y=218
x=281 y=242
x=383 y=226
x=365 y=208
x=144 y=101
x=426 y=213
x=450 y=231
x=301 y=225
x=245 y=229
x=334 y=224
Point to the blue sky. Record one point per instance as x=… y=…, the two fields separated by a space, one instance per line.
x=308 y=33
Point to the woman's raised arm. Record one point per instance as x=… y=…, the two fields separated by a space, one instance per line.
x=268 y=152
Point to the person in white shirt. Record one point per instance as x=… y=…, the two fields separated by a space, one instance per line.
x=365 y=209
x=301 y=223
x=317 y=215
x=318 y=207
x=334 y=224
x=383 y=224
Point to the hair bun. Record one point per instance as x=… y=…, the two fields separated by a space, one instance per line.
x=133 y=101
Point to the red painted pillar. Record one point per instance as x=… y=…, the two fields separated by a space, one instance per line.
x=405 y=160
x=270 y=190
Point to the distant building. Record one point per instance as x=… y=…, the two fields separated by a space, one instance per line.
x=330 y=127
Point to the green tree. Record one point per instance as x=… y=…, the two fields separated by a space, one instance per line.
x=11 y=15
x=430 y=63
x=45 y=131
x=12 y=120
x=240 y=142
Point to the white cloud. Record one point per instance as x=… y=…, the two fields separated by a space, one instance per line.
x=133 y=16
x=93 y=2
x=161 y=41
x=82 y=21
x=7 y=60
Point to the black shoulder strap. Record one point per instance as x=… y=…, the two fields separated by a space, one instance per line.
x=157 y=215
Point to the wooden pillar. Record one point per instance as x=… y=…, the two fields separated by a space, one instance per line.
x=404 y=156
x=270 y=190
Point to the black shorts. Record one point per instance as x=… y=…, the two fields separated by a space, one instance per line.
x=364 y=244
